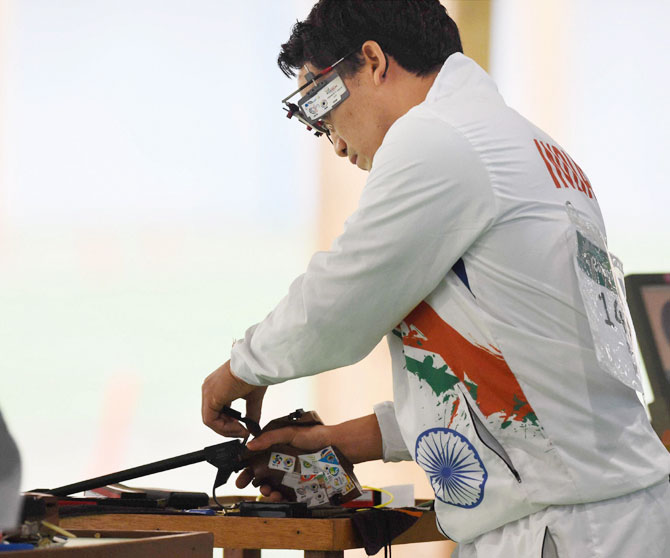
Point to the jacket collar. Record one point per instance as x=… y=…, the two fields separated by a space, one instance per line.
x=458 y=75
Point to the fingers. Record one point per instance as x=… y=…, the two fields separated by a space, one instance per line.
x=278 y=436
x=244 y=478
x=270 y=494
x=214 y=398
x=302 y=437
x=228 y=427
x=210 y=406
x=220 y=388
x=255 y=403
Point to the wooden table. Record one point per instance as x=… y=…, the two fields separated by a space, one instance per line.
x=246 y=536
x=125 y=544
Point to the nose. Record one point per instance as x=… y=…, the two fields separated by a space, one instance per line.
x=339 y=145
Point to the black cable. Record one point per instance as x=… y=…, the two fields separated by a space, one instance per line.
x=214 y=496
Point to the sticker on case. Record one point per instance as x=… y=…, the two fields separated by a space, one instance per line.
x=327 y=457
x=292 y=480
x=314 y=493
x=349 y=485
x=336 y=485
x=340 y=481
x=281 y=462
x=318 y=498
x=308 y=463
x=301 y=494
x=331 y=472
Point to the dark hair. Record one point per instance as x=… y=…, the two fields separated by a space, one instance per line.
x=418 y=34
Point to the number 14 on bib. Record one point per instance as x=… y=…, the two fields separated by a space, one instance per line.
x=600 y=279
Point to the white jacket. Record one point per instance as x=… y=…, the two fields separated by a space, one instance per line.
x=462 y=252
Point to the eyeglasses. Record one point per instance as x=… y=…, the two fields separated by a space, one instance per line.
x=320 y=100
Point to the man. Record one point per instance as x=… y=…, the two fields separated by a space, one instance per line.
x=10 y=479
x=478 y=250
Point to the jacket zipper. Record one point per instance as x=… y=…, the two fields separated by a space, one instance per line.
x=486 y=438
x=440 y=529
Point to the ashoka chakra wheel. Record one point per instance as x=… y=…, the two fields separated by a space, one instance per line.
x=453 y=466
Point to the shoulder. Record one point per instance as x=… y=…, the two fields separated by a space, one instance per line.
x=425 y=146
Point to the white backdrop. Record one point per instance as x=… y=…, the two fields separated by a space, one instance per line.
x=154 y=203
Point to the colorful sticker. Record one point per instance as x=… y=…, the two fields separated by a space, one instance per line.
x=308 y=463
x=349 y=485
x=301 y=493
x=340 y=484
x=311 y=489
x=327 y=457
x=313 y=493
x=335 y=479
x=281 y=462
x=291 y=480
x=340 y=481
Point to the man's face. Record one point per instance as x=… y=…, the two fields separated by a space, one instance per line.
x=354 y=124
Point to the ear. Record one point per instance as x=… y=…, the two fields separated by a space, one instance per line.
x=375 y=61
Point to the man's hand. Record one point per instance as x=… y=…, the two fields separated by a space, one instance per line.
x=308 y=438
x=359 y=440
x=221 y=388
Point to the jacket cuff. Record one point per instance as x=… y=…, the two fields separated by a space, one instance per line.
x=241 y=363
x=393 y=445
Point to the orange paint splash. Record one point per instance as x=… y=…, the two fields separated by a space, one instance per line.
x=495 y=389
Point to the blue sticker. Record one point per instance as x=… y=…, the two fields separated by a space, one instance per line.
x=453 y=466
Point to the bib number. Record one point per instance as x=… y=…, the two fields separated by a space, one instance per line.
x=598 y=276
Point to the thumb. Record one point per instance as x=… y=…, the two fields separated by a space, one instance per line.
x=267 y=439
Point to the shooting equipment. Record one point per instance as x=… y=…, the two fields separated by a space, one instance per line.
x=315 y=477
x=324 y=96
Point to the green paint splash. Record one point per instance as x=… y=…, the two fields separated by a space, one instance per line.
x=532 y=418
x=518 y=403
x=439 y=380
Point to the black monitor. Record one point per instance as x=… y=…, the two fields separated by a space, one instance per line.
x=649 y=302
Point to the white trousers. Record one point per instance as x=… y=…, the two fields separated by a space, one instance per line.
x=636 y=525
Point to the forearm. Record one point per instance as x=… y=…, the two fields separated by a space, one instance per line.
x=359 y=439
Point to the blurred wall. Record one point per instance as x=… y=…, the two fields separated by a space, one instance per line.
x=153 y=204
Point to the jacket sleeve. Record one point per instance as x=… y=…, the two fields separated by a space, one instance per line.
x=393 y=446
x=426 y=200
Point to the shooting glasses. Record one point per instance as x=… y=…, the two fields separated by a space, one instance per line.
x=325 y=95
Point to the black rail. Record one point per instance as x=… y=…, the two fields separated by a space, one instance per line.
x=227 y=457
